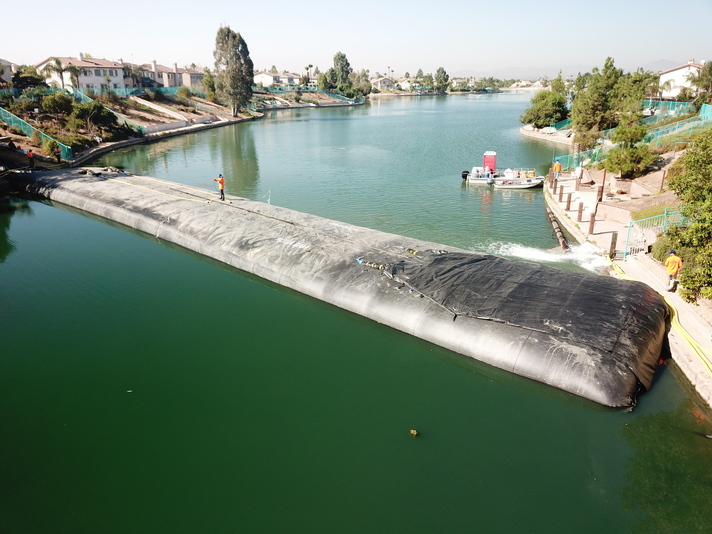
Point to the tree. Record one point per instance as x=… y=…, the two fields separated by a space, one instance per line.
x=209 y=84
x=419 y=74
x=702 y=80
x=547 y=107
x=235 y=71
x=595 y=105
x=58 y=104
x=694 y=187
x=74 y=71
x=630 y=157
x=441 y=80
x=342 y=68
x=94 y=115
x=135 y=72
x=428 y=81
x=26 y=76
x=327 y=80
x=360 y=82
x=55 y=67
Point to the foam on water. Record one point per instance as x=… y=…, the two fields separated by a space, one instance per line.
x=586 y=256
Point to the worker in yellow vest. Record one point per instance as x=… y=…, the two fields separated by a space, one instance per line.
x=673 y=264
x=221 y=185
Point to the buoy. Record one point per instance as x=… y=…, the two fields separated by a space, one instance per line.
x=413 y=433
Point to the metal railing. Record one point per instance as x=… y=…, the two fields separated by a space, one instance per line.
x=644 y=232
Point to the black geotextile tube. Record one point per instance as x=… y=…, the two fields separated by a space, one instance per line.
x=616 y=325
x=590 y=335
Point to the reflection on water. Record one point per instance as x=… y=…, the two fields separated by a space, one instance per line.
x=8 y=207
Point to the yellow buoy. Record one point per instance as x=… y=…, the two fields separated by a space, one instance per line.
x=413 y=433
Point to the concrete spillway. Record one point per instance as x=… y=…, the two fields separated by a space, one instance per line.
x=594 y=336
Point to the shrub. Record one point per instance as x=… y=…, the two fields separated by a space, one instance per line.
x=183 y=95
x=49 y=146
x=37 y=137
x=75 y=141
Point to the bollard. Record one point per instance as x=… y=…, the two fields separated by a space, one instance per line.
x=591 y=223
x=599 y=194
x=662 y=182
x=554 y=183
x=614 y=242
x=580 y=212
x=561 y=192
x=568 y=201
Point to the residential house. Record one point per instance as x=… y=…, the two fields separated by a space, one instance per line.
x=460 y=84
x=678 y=78
x=165 y=76
x=404 y=83
x=95 y=74
x=191 y=77
x=266 y=79
x=289 y=79
x=382 y=84
x=7 y=69
x=284 y=79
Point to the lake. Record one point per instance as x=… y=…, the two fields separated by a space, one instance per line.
x=146 y=389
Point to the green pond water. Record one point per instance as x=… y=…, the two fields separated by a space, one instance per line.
x=146 y=389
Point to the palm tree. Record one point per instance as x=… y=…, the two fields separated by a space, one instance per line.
x=135 y=72
x=74 y=71
x=702 y=80
x=55 y=67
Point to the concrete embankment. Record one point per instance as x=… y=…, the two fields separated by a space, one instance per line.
x=593 y=336
x=564 y=137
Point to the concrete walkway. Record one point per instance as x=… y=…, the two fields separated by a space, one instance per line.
x=691 y=333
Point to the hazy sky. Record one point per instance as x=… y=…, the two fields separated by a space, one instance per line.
x=459 y=35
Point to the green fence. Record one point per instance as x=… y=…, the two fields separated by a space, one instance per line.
x=685 y=127
x=672 y=109
x=644 y=232
x=583 y=159
x=29 y=130
x=562 y=125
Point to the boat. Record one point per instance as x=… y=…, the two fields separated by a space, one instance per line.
x=478 y=175
x=488 y=174
x=518 y=179
x=484 y=175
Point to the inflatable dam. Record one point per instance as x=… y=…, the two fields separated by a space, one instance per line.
x=594 y=336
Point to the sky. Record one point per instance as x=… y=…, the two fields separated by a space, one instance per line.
x=501 y=38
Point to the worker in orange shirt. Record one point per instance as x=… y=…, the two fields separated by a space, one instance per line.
x=30 y=158
x=221 y=185
x=673 y=264
x=557 y=170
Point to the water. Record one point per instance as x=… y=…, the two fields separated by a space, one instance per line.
x=146 y=389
